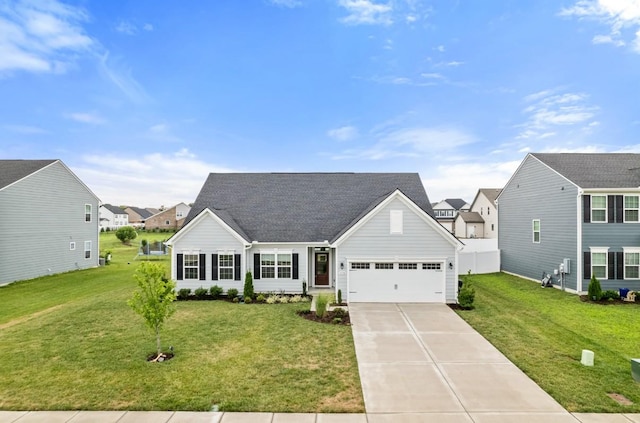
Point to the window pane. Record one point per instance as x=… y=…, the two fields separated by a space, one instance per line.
x=191 y=260
x=268 y=272
x=284 y=272
x=536 y=237
x=536 y=225
x=268 y=259
x=631 y=202
x=598 y=202
x=191 y=273
x=226 y=273
x=225 y=260
x=600 y=272
x=631 y=215
x=631 y=258
x=631 y=272
x=598 y=215
x=284 y=259
x=599 y=259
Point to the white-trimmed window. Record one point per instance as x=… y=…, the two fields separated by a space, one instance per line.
x=632 y=263
x=395 y=222
x=536 y=230
x=87 y=249
x=631 y=208
x=191 y=266
x=358 y=265
x=87 y=212
x=598 y=208
x=275 y=265
x=384 y=266
x=225 y=266
x=408 y=266
x=599 y=262
x=72 y=246
x=431 y=266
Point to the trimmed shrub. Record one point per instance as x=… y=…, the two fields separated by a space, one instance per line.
x=321 y=305
x=236 y=299
x=304 y=287
x=595 y=290
x=184 y=293
x=283 y=299
x=272 y=299
x=339 y=296
x=215 y=291
x=466 y=296
x=248 y=300
x=126 y=234
x=295 y=299
x=248 y=286
x=201 y=293
x=610 y=295
x=261 y=298
x=339 y=312
x=232 y=293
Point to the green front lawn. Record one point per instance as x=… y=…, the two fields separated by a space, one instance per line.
x=543 y=331
x=71 y=342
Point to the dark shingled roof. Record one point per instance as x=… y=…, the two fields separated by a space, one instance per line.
x=456 y=203
x=595 y=170
x=300 y=207
x=14 y=170
x=114 y=209
x=144 y=213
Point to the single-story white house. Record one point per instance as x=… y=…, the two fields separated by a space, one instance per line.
x=371 y=235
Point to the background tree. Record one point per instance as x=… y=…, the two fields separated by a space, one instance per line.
x=154 y=299
x=126 y=234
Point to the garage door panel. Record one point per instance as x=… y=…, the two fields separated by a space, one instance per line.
x=421 y=284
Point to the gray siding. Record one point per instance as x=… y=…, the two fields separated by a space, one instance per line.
x=42 y=214
x=615 y=236
x=418 y=240
x=537 y=192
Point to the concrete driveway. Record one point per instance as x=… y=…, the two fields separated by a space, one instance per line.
x=420 y=361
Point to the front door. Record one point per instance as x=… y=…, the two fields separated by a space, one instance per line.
x=322 y=269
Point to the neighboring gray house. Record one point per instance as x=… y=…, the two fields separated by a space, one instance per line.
x=50 y=222
x=112 y=217
x=572 y=212
x=371 y=235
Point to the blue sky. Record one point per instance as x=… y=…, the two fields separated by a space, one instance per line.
x=142 y=99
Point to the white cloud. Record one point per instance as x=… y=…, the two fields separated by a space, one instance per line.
x=86 y=117
x=125 y=27
x=344 y=133
x=432 y=76
x=453 y=63
x=147 y=27
x=41 y=36
x=366 y=12
x=622 y=17
x=146 y=181
x=121 y=76
x=549 y=110
x=440 y=48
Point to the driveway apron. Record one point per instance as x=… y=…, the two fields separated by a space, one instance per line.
x=423 y=358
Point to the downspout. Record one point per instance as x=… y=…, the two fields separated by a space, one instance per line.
x=580 y=219
x=246 y=263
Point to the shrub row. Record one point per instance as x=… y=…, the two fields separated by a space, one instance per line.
x=216 y=292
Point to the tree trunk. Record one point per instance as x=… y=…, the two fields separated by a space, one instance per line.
x=158 y=346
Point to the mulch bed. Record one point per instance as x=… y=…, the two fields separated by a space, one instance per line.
x=329 y=317
x=163 y=357
x=617 y=301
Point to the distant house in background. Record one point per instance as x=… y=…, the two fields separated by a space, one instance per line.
x=485 y=205
x=50 y=220
x=447 y=210
x=112 y=217
x=137 y=216
x=577 y=214
x=172 y=218
x=469 y=225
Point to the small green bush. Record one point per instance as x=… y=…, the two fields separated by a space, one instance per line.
x=337 y=320
x=201 y=293
x=260 y=298
x=248 y=300
x=466 y=296
x=248 y=285
x=184 y=293
x=339 y=296
x=295 y=299
x=321 y=305
x=232 y=293
x=272 y=299
x=595 y=290
x=610 y=295
x=236 y=299
x=339 y=312
x=215 y=291
x=304 y=287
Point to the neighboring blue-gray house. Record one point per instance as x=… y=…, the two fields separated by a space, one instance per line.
x=578 y=210
x=371 y=235
x=50 y=220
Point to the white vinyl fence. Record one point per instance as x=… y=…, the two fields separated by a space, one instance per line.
x=479 y=256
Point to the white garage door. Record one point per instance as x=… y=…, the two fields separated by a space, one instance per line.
x=396 y=282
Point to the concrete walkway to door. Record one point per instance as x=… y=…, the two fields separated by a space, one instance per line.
x=422 y=361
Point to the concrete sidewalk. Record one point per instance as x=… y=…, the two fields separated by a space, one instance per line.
x=423 y=358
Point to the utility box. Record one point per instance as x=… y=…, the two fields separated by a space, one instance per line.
x=566 y=263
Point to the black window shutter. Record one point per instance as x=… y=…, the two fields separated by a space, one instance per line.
x=611 y=211
x=620 y=265
x=202 y=264
x=586 y=209
x=236 y=267
x=179 y=265
x=294 y=269
x=214 y=267
x=612 y=265
x=619 y=208
x=256 y=266
x=587 y=264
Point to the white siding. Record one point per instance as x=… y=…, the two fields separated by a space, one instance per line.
x=418 y=241
x=43 y=214
x=277 y=285
x=489 y=213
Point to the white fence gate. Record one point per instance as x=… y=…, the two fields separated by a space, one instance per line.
x=479 y=256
